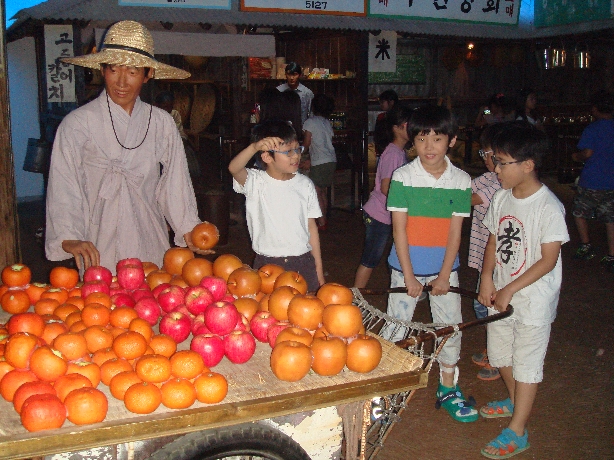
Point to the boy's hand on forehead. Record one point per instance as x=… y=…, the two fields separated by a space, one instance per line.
x=269 y=143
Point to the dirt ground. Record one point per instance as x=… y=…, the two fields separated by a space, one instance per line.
x=574 y=406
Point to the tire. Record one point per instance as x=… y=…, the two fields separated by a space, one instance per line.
x=252 y=439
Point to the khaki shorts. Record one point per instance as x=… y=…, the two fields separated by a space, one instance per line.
x=322 y=175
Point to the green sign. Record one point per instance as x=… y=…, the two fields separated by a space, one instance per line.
x=411 y=68
x=557 y=12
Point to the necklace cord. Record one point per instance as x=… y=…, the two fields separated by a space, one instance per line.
x=115 y=132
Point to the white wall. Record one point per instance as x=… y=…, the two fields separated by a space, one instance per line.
x=23 y=100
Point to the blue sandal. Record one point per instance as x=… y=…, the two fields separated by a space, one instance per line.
x=453 y=401
x=508 y=443
x=496 y=409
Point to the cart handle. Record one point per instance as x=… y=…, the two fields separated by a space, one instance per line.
x=425 y=336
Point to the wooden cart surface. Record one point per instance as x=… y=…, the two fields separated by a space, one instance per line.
x=254 y=394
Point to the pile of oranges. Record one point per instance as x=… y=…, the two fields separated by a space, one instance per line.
x=52 y=359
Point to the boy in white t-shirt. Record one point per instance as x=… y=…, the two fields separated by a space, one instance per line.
x=522 y=266
x=281 y=205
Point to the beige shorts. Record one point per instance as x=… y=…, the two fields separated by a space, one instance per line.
x=519 y=346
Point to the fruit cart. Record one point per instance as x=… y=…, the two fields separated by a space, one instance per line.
x=251 y=421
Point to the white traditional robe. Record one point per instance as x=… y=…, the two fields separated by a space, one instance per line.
x=114 y=197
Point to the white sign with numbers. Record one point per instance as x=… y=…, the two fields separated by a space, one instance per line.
x=60 y=76
x=340 y=7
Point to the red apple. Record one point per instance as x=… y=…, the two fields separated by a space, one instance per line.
x=239 y=346
x=221 y=317
x=159 y=288
x=197 y=299
x=228 y=298
x=210 y=347
x=182 y=309
x=130 y=261
x=200 y=330
x=242 y=324
x=216 y=286
x=176 y=325
x=121 y=299
x=139 y=294
x=98 y=273
x=94 y=286
x=170 y=298
x=148 y=309
x=260 y=323
x=130 y=276
x=274 y=331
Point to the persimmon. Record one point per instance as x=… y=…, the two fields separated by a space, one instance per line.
x=26 y=322
x=72 y=345
x=95 y=314
x=175 y=258
x=34 y=291
x=52 y=329
x=63 y=277
x=36 y=387
x=153 y=368
x=211 y=387
x=48 y=364
x=74 y=317
x=187 y=364
x=62 y=311
x=130 y=345
x=12 y=380
x=15 y=301
x=178 y=393
x=87 y=369
x=121 y=382
x=97 y=337
x=59 y=294
x=46 y=306
x=86 y=405
x=205 y=235
x=42 y=412
x=5 y=367
x=77 y=301
x=18 y=349
x=16 y=275
x=69 y=382
x=112 y=367
x=142 y=398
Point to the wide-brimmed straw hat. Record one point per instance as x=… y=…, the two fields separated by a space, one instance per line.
x=128 y=43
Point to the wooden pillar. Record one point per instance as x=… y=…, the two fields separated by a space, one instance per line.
x=9 y=234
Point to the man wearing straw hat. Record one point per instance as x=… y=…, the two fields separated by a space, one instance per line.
x=118 y=168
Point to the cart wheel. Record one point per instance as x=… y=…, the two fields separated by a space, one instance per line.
x=248 y=441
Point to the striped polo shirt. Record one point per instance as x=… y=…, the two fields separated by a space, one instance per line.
x=430 y=204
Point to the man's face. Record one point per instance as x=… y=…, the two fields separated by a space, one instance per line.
x=292 y=80
x=123 y=84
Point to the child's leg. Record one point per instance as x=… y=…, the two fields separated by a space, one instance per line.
x=400 y=306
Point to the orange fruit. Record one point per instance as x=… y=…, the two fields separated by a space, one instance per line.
x=142 y=398
x=48 y=364
x=76 y=301
x=142 y=327
x=72 y=345
x=18 y=349
x=69 y=382
x=95 y=314
x=86 y=405
x=42 y=412
x=28 y=389
x=5 y=367
x=112 y=367
x=74 y=317
x=77 y=327
x=26 y=322
x=187 y=364
x=15 y=301
x=178 y=393
x=121 y=382
x=130 y=345
x=97 y=338
x=162 y=344
x=103 y=355
x=16 y=275
x=121 y=316
x=46 y=306
x=74 y=292
x=153 y=368
x=52 y=329
x=211 y=387
x=64 y=310
x=59 y=294
x=63 y=277
x=115 y=331
x=13 y=380
x=34 y=291
x=99 y=297
x=87 y=369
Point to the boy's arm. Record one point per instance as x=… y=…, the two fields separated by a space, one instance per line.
x=476 y=199
x=550 y=255
x=399 y=233
x=314 y=241
x=236 y=167
x=487 y=287
x=441 y=284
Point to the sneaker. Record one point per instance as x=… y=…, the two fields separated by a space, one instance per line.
x=481 y=359
x=608 y=263
x=585 y=252
x=489 y=373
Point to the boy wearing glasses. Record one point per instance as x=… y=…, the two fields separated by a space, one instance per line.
x=522 y=266
x=281 y=205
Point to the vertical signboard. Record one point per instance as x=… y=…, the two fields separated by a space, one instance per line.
x=60 y=76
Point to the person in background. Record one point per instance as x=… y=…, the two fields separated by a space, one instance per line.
x=293 y=75
x=281 y=205
x=378 y=223
x=499 y=109
x=107 y=199
x=522 y=266
x=277 y=105
x=318 y=143
x=526 y=104
x=166 y=101
x=381 y=134
x=595 y=197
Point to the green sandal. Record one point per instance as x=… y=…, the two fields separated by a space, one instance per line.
x=496 y=409
x=453 y=401
x=508 y=443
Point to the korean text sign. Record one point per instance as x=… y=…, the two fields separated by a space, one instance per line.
x=492 y=11
x=60 y=76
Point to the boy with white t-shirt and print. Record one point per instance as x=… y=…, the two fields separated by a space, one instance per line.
x=522 y=266
x=281 y=204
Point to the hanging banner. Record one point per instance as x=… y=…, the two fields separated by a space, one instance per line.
x=383 y=51
x=338 y=7
x=491 y=11
x=60 y=76
x=215 y=4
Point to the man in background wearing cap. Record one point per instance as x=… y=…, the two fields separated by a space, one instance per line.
x=293 y=73
x=108 y=199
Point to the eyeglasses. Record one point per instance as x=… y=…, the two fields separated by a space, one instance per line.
x=497 y=162
x=298 y=151
x=484 y=153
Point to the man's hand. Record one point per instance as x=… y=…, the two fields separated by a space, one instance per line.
x=414 y=287
x=84 y=252
x=188 y=239
x=440 y=285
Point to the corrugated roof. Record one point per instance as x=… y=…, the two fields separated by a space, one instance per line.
x=110 y=11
